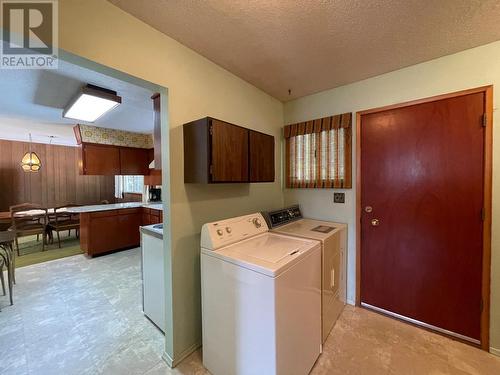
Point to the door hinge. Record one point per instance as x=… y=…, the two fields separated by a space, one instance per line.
x=483 y=214
x=485 y=120
x=211 y=130
x=211 y=169
x=481 y=306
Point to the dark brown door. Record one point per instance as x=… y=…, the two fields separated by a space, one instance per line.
x=134 y=161
x=422 y=202
x=261 y=157
x=229 y=152
x=100 y=160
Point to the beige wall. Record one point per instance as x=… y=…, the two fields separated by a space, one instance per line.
x=101 y=32
x=472 y=68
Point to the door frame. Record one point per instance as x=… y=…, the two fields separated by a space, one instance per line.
x=487 y=196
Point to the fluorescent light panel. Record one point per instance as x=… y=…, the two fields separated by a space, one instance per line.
x=90 y=104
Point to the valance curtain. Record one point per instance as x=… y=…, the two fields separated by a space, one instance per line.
x=318 y=153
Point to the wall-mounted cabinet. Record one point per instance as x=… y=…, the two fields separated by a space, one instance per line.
x=134 y=161
x=153 y=178
x=97 y=159
x=219 y=152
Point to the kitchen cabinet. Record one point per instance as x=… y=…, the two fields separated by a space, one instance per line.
x=105 y=231
x=216 y=151
x=153 y=178
x=99 y=232
x=129 y=221
x=116 y=229
x=151 y=216
x=134 y=161
x=261 y=149
x=98 y=159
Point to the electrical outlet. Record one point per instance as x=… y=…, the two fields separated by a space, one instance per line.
x=338 y=197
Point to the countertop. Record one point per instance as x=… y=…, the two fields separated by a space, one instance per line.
x=115 y=206
x=155 y=230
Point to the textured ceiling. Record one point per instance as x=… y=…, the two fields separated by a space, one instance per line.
x=312 y=45
x=36 y=99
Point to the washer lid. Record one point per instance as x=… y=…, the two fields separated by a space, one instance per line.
x=268 y=253
x=271 y=249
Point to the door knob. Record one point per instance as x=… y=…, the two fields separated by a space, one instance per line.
x=368 y=209
x=375 y=222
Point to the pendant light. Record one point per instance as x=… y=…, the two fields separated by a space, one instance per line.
x=30 y=161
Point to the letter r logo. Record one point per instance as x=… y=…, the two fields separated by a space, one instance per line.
x=28 y=27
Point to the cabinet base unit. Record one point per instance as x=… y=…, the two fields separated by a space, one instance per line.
x=106 y=231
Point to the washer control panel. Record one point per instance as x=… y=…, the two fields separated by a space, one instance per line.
x=225 y=232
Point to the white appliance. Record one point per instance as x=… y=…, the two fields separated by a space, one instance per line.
x=261 y=299
x=333 y=237
x=153 y=280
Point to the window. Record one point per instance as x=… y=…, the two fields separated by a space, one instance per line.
x=318 y=153
x=128 y=184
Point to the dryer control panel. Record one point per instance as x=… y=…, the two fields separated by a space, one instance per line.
x=281 y=217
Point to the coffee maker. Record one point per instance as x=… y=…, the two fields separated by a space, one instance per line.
x=154 y=194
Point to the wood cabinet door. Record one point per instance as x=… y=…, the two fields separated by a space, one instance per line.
x=229 y=152
x=129 y=224
x=103 y=233
x=261 y=157
x=153 y=178
x=134 y=161
x=100 y=160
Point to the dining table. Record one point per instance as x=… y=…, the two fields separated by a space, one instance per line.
x=6 y=216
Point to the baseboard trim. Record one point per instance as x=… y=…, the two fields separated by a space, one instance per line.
x=173 y=362
x=495 y=351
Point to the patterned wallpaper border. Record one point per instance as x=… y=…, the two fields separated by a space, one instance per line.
x=105 y=136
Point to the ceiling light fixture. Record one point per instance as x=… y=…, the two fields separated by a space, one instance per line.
x=91 y=103
x=30 y=161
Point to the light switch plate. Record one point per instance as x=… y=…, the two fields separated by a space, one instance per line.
x=338 y=197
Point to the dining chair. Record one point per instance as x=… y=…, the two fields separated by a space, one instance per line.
x=25 y=223
x=61 y=221
x=7 y=260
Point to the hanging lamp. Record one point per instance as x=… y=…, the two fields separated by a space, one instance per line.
x=30 y=161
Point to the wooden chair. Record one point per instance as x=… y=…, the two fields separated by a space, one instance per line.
x=61 y=221
x=28 y=225
x=7 y=260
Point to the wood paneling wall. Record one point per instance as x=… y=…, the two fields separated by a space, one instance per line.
x=58 y=182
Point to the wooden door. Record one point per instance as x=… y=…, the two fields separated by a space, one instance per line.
x=422 y=210
x=229 y=152
x=134 y=161
x=261 y=157
x=100 y=160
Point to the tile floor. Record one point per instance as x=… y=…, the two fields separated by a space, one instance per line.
x=83 y=316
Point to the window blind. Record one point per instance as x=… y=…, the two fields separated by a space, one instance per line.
x=128 y=184
x=318 y=153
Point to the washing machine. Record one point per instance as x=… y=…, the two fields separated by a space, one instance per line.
x=333 y=238
x=261 y=299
